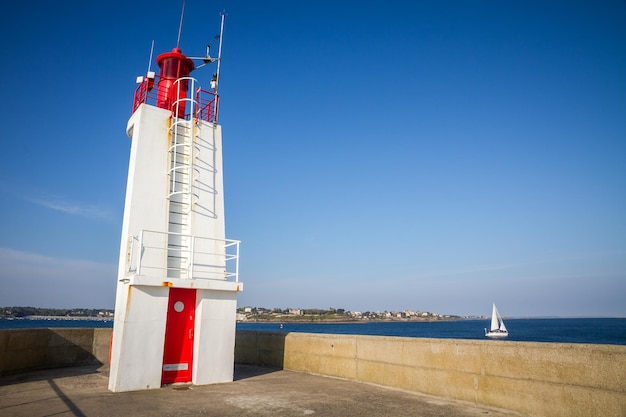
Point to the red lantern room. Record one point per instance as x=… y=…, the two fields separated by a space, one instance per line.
x=172 y=94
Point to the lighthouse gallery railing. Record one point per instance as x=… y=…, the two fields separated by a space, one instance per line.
x=207 y=258
x=206 y=103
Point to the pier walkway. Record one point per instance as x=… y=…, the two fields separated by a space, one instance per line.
x=256 y=391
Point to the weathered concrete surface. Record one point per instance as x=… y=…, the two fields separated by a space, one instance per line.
x=258 y=392
x=29 y=349
x=543 y=379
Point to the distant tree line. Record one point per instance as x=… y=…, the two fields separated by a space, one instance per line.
x=37 y=311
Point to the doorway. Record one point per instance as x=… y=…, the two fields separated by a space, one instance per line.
x=179 y=336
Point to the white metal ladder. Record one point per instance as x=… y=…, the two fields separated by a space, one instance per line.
x=182 y=175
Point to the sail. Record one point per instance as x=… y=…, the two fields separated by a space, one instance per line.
x=498 y=329
x=502 y=326
x=494 y=318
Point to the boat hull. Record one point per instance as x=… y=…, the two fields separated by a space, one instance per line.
x=497 y=334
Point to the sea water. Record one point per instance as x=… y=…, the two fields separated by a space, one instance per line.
x=556 y=330
x=26 y=323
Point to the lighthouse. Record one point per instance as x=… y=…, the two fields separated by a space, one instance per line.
x=178 y=275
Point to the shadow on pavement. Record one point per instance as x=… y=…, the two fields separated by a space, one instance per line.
x=44 y=374
x=251 y=371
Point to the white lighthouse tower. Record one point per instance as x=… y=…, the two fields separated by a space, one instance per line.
x=175 y=307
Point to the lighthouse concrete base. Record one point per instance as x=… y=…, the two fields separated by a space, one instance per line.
x=137 y=349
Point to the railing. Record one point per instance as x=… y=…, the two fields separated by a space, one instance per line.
x=208 y=105
x=206 y=102
x=153 y=253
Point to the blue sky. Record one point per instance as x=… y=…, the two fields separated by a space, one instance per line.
x=433 y=156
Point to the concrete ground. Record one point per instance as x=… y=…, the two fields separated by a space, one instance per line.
x=82 y=391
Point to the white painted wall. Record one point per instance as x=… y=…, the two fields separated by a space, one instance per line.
x=210 y=188
x=146 y=203
x=138 y=336
x=141 y=299
x=214 y=345
x=208 y=214
x=140 y=311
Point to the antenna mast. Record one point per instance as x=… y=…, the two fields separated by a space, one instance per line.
x=180 y=26
x=217 y=73
x=219 y=53
x=150 y=60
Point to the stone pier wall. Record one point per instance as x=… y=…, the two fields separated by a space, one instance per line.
x=30 y=349
x=540 y=379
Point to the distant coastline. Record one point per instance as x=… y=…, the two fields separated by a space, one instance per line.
x=97 y=318
x=40 y=313
x=322 y=320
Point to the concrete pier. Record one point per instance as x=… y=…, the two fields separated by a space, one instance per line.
x=538 y=379
x=255 y=392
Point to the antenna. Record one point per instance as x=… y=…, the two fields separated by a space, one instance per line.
x=151 y=51
x=219 y=52
x=207 y=59
x=180 y=26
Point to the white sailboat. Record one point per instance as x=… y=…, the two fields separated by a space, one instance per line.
x=498 y=329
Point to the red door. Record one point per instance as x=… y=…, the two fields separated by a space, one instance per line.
x=178 y=352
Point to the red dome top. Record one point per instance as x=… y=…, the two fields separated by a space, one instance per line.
x=174 y=57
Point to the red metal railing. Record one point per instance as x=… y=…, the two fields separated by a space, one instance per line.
x=206 y=102
x=144 y=91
